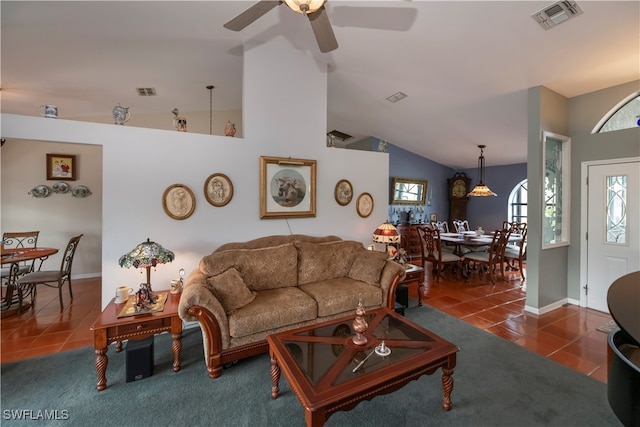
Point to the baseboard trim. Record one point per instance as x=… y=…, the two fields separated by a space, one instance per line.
x=547 y=308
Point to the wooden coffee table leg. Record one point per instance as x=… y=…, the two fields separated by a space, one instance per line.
x=275 y=377
x=315 y=418
x=447 y=386
x=101 y=367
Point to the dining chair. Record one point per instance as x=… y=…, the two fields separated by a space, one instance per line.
x=52 y=278
x=442 y=226
x=431 y=248
x=461 y=225
x=492 y=259
x=18 y=240
x=517 y=252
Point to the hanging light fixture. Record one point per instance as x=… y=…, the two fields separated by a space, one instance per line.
x=481 y=189
x=305 y=6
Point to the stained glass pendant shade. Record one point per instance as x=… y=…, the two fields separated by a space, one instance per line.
x=146 y=255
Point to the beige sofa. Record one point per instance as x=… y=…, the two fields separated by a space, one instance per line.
x=243 y=292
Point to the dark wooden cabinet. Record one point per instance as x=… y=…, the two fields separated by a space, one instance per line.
x=458 y=190
x=410 y=239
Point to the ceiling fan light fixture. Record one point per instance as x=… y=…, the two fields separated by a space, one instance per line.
x=481 y=189
x=305 y=6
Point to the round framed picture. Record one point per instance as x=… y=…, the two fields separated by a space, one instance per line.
x=364 y=205
x=178 y=201
x=218 y=189
x=343 y=192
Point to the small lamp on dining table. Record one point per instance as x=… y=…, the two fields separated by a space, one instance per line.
x=386 y=233
x=146 y=255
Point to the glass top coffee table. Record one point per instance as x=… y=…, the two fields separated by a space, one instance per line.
x=329 y=373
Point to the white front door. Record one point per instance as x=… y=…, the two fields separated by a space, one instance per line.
x=613 y=239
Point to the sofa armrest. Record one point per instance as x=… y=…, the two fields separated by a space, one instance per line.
x=392 y=273
x=197 y=302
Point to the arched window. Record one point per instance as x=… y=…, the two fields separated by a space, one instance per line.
x=625 y=115
x=518 y=203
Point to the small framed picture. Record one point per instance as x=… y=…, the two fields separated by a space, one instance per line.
x=218 y=189
x=178 y=201
x=433 y=217
x=287 y=187
x=364 y=205
x=62 y=167
x=343 y=192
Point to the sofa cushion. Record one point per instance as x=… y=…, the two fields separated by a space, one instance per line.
x=272 y=308
x=367 y=266
x=264 y=268
x=341 y=295
x=322 y=261
x=230 y=290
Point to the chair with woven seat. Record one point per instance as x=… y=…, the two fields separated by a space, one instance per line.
x=19 y=240
x=52 y=278
x=431 y=248
x=492 y=259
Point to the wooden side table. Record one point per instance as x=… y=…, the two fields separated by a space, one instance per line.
x=414 y=273
x=109 y=328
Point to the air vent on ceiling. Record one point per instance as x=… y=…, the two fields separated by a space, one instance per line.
x=396 y=97
x=146 y=91
x=557 y=13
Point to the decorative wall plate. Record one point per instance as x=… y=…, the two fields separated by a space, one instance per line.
x=40 y=191
x=343 y=192
x=218 y=189
x=364 y=205
x=178 y=201
x=80 y=191
x=60 y=188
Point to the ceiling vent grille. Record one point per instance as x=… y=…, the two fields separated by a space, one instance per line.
x=557 y=13
x=146 y=91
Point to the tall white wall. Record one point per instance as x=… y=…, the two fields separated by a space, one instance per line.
x=284 y=115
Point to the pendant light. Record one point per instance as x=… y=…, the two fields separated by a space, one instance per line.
x=481 y=189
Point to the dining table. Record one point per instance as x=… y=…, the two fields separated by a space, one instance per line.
x=473 y=240
x=13 y=301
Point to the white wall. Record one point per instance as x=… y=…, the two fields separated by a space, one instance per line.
x=284 y=115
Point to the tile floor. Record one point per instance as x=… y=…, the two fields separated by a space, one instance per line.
x=566 y=335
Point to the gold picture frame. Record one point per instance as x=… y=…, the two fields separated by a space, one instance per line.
x=62 y=167
x=178 y=201
x=343 y=192
x=287 y=187
x=364 y=205
x=218 y=189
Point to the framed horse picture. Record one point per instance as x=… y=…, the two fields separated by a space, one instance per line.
x=287 y=187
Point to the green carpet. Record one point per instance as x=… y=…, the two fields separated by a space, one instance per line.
x=496 y=383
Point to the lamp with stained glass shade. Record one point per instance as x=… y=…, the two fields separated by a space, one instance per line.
x=146 y=255
x=386 y=233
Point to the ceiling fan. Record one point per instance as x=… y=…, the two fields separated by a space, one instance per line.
x=313 y=9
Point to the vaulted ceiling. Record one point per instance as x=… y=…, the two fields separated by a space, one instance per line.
x=465 y=66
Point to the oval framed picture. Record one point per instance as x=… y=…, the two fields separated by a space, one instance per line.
x=364 y=205
x=178 y=201
x=218 y=189
x=343 y=192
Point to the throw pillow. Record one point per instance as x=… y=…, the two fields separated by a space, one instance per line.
x=231 y=290
x=367 y=266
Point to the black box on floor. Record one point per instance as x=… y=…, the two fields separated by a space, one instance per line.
x=139 y=357
x=402 y=295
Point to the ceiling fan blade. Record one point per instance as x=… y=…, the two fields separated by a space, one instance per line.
x=251 y=14
x=322 y=30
